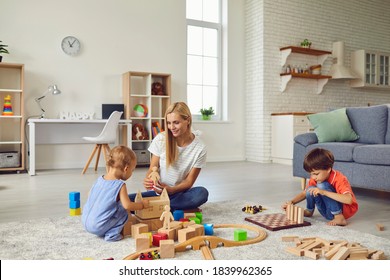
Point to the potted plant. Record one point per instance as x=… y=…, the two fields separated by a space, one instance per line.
x=207 y=113
x=3 y=50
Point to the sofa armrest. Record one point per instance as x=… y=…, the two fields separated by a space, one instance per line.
x=306 y=139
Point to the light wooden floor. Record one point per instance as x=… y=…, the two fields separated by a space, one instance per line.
x=25 y=197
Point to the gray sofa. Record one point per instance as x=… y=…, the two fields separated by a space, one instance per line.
x=365 y=161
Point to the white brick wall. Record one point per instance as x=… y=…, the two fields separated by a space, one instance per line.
x=270 y=24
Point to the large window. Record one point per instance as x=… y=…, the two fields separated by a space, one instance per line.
x=204 y=55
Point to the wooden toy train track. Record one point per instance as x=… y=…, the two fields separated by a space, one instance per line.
x=211 y=241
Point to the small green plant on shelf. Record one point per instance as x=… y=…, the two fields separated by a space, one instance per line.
x=3 y=50
x=207 y=113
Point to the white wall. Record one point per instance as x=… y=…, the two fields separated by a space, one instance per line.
x=361 y=24
x=116 y=36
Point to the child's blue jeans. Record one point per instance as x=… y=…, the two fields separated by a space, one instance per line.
x=326 y=206
x=189 y=199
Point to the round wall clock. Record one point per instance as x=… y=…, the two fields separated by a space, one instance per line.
x=71 y=45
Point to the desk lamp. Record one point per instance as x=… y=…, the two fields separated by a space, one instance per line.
x=53 y=89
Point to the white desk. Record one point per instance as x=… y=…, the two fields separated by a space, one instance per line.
x=59 y=131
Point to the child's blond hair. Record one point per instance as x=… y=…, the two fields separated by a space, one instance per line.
x=120 y=157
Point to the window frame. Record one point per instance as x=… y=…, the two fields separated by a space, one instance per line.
x=219 y=28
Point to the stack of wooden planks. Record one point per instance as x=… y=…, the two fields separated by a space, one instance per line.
x=317 y=247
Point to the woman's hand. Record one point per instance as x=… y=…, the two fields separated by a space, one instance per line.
x=161 y=186
x=148 y=184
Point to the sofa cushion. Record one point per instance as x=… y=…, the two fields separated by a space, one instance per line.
x=372 y=154
x=342 y=151
x=387 y=137
x=370 y=123
x=333 y=126
x=306 y=139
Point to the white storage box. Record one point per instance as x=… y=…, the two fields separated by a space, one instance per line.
x=9 y=159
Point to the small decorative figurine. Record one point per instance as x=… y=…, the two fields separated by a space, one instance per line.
x=167 y=217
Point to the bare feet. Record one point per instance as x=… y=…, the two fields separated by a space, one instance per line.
x=307 y=213
x=338 y=220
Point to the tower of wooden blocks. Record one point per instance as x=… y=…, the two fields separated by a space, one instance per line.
x=74 y=204
x=294 y=213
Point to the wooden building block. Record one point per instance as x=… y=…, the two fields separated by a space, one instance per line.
x=311 y=254
x=176 y=225
x=199 y=229
x=142 y=242
x=290 y=238
x=153 y=224
x=315 y=244
x=305 y=244
x=171 y=233
x=189 y=215
x=300 y=215
x=139 y=229
x=156 y=205
x=126 y=231
x=341 y=254
x=380 y=227
x=378 y=255
x=295 y=251
x=167 y=249
x=185 y=234
x=188 y=223
x=334 y=250
x=295 y=215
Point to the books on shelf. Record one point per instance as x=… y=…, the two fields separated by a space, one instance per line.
x=156 y=129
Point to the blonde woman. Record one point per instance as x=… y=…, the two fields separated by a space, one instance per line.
x=180 y=155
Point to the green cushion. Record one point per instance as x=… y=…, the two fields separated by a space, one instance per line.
x=333 y=126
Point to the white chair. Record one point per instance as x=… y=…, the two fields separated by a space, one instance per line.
x=108 y=135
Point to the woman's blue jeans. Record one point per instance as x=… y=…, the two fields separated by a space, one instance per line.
x=189 y=199
x=326 y=206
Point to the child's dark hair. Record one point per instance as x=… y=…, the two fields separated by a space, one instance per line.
x=120 y=157
x=318 y=159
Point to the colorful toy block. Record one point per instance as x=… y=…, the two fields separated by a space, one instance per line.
x=178 y=214
x=199 y=215
x=157 y=237
x=208 y=229
x=74 y=204
x=75 y=212
x=240 y=235
x=195 y=219
x=74 y=196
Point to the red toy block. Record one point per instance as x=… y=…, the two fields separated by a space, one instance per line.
x=157 y=237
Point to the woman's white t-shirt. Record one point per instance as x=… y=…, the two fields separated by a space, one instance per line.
x=193 y=155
